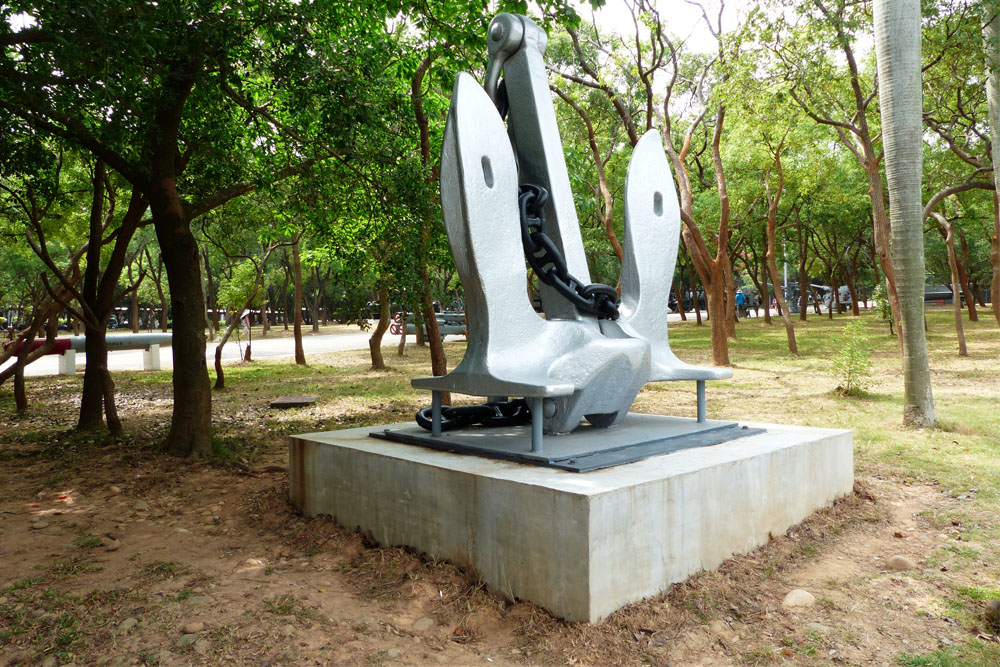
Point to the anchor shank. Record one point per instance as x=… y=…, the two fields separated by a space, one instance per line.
x=534 y=134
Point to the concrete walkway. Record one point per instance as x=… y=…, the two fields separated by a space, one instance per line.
x=272 y=347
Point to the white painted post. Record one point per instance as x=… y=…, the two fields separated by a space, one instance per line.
x=67 y=362
x=151 y=358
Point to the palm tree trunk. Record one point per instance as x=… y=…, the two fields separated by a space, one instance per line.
x=897 y=44
x=992 y=48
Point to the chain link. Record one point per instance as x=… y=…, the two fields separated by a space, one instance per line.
x=549 y=264
x=496 y=413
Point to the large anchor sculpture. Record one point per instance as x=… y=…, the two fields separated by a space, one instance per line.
x=589 y=357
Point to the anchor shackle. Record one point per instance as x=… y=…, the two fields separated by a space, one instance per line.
x=506 y=35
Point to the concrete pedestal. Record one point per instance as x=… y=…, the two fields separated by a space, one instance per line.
x=151 y=358
x=67 y=362
x=582 y=545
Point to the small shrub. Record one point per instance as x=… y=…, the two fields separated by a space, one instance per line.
x=881 y=301
x=852 y=365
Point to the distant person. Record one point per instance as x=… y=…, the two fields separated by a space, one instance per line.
x=741 y=304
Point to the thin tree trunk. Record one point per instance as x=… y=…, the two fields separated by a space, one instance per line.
x=897 y=42
x=210 y=300
x=20 y=393
x=765 y=293
x=264 y=320
x=300 y=353
x=135 y=305
x=375 y=340
x=770 y=254
x=680 y=303
x=694 y=300
x=995 y=255
x=803 y=276
x=956 y=300
x=961 y=262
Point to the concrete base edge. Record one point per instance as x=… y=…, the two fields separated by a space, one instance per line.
x=582 y=545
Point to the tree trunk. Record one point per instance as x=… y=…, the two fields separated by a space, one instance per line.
x=680 y=302
x=375 y=340
x=995 y=254
x=98 y=386
x=439 y=363
x=803 y=275
x=992 y=39
x=765 y=293
x=956 y=299
x=300 y=353
x=779 y=296
x=20 y=392
x=191 y=423
x=210 y=300
x=418 y=327
x=694 y=300
x=284 y=291
x=770 y=254
x=264 y=319
x=963 y=277
x=314 y=301
x=135 y=308
x=897 y=42
x=714 y=294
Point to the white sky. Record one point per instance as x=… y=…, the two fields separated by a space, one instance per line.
x=680 y=18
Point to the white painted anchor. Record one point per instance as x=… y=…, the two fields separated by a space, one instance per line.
x=570 y=365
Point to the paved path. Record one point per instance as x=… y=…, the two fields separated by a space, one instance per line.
x=263 y=348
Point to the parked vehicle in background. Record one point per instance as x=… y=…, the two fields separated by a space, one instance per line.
x=688 y=302
x=449 y=322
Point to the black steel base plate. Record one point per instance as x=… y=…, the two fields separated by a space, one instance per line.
x=587 y=448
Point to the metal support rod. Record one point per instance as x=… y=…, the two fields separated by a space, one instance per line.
x=701 y=401
x=537 y=419
x=435 y=413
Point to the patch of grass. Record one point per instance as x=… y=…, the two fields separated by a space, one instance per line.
x=72 y=566
x=87 y=542
x=979 y=593
x=162 y=569
x=282 y=605
x=221 y=451
x=962 y=552
x=288 y=605
x=24 y=584
x=973 y=654
x=759 y=656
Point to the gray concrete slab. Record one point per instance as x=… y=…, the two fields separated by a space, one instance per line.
x=582 y=545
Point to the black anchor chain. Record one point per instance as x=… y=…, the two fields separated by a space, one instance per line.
x=494 y=413
x=549 y=264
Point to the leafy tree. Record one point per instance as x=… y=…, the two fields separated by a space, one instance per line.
x=195 y=103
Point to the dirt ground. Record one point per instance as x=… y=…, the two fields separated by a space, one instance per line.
x=112 y=553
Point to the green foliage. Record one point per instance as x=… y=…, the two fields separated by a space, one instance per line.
x=881 y=302
x=235 y=291
x=852 y=364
